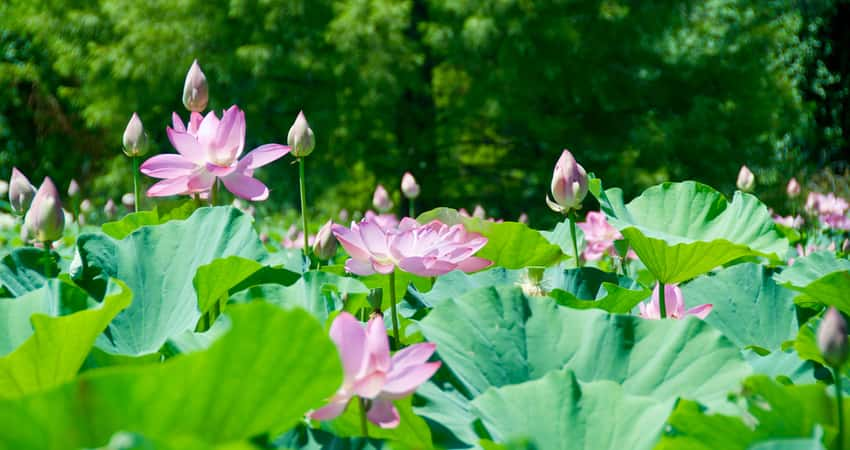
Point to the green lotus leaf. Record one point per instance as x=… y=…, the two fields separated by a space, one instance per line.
x=411 y=432
x=22 y=270
x=682 y=230
x=122 y=228
x=591 y=288
x=821 y=277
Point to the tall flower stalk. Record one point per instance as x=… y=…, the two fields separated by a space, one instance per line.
x=302 y=142
x=135 y=145
x=410 y=189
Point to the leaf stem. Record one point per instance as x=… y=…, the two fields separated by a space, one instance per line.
x=364 y=426
x=662 y=304
x=393 y=311
x=303 y=188
x=571 y=217
x=836 y=374
x=136 y=195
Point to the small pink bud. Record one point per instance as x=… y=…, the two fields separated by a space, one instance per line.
x=569 y=184
x=523 y=218
x=793 y=188
x=845 y=246
x=73 y=189
x=128 y=200
x=110 y=209
x=21 y=191
x=45 y=219
x=832 y=338
x=86 y=206
x=408 y=186
x=195 y=89
x=746 y=179
x=135 y=139
x=479 y=212
x=381 y=199
x=300 y=138
x=324 y=247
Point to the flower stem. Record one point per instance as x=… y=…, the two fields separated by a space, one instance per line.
x=411 y=211
x=303 y=188
x=214 y=193
x=47 y=258
x=662 y=304
x=572 y=218
x=136 y=195
x=394 y=311
x=364 y=426
x=836 y=373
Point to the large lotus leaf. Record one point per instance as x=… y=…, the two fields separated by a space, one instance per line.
x=774 y=412
x=589 y=287
x=559 y=412
x=214 y=281
x=448 y=412
x=122 y=228
x=784 y=365
x=261 y=377
x=59 y=345
x=749 y=307
x=320 y=293
x=511 y=245
x=412 y=431
x=821 y=277
x=456 y=283
x=562 y=237
x=159 y=263
x=498 y=336
x=681 y=230
x=22 y=270
x=305 y=438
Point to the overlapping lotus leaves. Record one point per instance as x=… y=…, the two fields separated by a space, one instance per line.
x=746 y=291
x=255 y=379
x=498 y=336
x=774 y=412
x=560 y=412
x=819 y=277
x=22 y=270
x=122 y=228
x=158 y=263
x=412 y=431
x=214 y=281
x=58 y=345
x=511 y=245
x=591 y=288
x=681 y=230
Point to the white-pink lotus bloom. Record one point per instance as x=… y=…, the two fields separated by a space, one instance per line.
x=209 y=149
x=425 y=250
x=789 y=221
x=599 y=236
x=370 y=373
x=675 y=305
x=387 y=221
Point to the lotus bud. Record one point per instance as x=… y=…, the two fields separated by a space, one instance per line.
x=73 y=189
x=324 y=246
x=110 y=209
x=128 y=200
x=832 y=338
x=4 y=188
x=135 y=139
x=45 y=219
x=479 y=212
x=793 y=188
x=381 y=199
x=746 y=179
x=409 y=187
x=569 y=184
x=21 y=191
x=300 y=138
x=343 y=215
x=195 y=89
x=523 y=218
x=86 y=206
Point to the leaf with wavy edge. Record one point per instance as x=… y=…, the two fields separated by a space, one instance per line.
x=820 y=277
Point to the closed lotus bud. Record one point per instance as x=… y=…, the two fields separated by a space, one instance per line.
x=746 y=180
x=845 y=246
x=569 y=184
x=128 y=200
x=300 y=138
x=135 y=139
x=523 y=218
x=381 y=199
x=4 y=187
x=110 y=209
x=793 y=188
x=479 y=212
x=45 y=219
x=408 y=186
x=832 y=338
x=195 y=89
x=343 y=215
x=73 y=189
x=21 y=191
x=86 y=206
x=324 y=247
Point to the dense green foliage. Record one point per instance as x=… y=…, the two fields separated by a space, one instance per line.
x=478 y=95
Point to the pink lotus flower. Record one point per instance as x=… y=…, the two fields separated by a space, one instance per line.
x=789 y=221
x=387 y=221
x=599 y=235
x=793 y=189
x=370 y=372
x=675 y=305
x=425 y=250
x=209 y=149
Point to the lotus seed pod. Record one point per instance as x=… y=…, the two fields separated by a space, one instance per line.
x=300 y=138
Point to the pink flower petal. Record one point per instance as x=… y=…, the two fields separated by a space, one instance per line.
x=421 y=266
x=358 y=267
x=177 y=123
x=246 y=187
x=474 y=264
x=187 y=145
x=351 y=242
x=167 y=165
x=374 y=237
x=171 y=186
x=413 y=355
x=262 y=155
x=350 y=338
x=201 y=182
x=383 y=267
x=220 y=171
x=701 y=311
x=207 y=130
x=378 y=345
x=369 y=385
x=230 y=134
x=401 y=383
x=333 y=409
x=384 y=414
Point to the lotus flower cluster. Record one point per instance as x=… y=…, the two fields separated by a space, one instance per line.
x=371 y=374
x=830 y=208
x=209 y=150
x=425 y=250
x=675 y=305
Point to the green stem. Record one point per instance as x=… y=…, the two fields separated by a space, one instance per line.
x=364 y=426
x=572 y=218
x=47 y=258
x=214 y=194
x=136 y=195
x=393 y=311
x=662 y=304
x=303 y=188
x=836 y=373
x=411 y=211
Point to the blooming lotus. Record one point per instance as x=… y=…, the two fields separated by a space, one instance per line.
x=209 y=149
x=599 y=235
x=789 y=221
x=387 y=221
x=370 y=372
x=425 y=250
x=675 y=305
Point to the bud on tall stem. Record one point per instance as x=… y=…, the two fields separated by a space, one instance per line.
x=746 y=180
x=45 y=219
x=195 y=89
x=21 y=192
